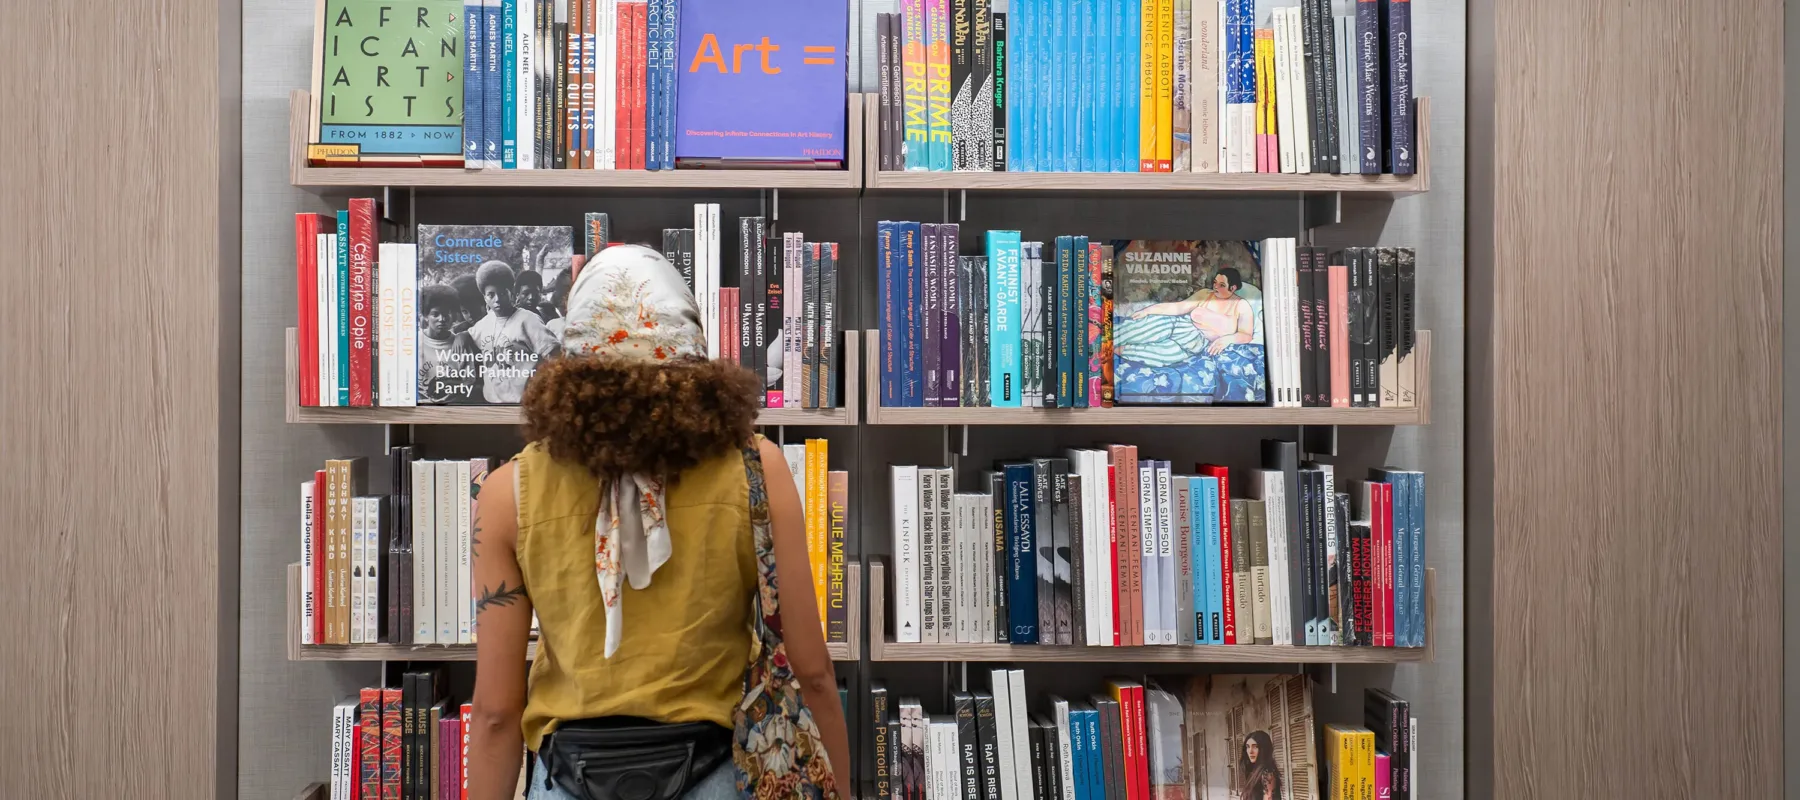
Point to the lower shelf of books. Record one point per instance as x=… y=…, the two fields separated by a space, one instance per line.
x=848 y=650
x=881 y=648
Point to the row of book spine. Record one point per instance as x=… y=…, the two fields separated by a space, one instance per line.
x=395 y=569
x=569 y=84
x=1313 y=86
x=352 y=293
x=1101 y=548
x=406 y=743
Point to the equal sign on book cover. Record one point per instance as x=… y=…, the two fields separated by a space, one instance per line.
x=761 y=82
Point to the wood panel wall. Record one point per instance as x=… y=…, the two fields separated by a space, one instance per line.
x=110 y=386
x=1628 y=299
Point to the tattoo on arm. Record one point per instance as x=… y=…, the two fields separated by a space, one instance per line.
x=475 y=541
x=503 y=596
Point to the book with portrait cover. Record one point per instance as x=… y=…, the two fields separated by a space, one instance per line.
x=1250 y=736
x=388 y=78
x=482 y=309
x=761 y=82
x=1188 y=323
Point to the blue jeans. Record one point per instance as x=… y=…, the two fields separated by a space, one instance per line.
x=720 y=785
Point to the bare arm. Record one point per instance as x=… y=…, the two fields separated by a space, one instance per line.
x=1166 y=309
x=503 y=616
x=800 y=628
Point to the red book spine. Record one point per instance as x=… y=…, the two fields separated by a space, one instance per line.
x=467 y=712
x=390 y=744
x=1140 y=762
x=572 y=88
x=621 y=88
x=1229 y=580
x=368 y=744
x=1124 y=485
x=318 y=548
x=1134 y=556
x=306 y=276
x=640 y=80
x=356 y=770
x=362 y=307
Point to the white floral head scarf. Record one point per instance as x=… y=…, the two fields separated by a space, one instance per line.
x=629 y=302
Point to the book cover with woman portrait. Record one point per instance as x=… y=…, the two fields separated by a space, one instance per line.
x=1250 y=737
x=482 y=331
x=1188 y=323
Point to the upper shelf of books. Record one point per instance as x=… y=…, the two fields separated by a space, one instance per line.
x=304 y=173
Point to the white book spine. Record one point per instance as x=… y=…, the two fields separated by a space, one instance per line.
x=1108 y=544
x=904 y=482
x=340 y=751
x=525 y=103
x=946 y=557
x=929 y=584
x=1284 y=92
x=424 y=551
x=465 y=597
x=1003 y=734
x=329 y=254
x=609 y=91
x=384 y=323
x=454 y=591
x=407 y=324
x=1065 y=756
x=1015 y=680
x=1165 y=550
x=1151 y=601
x=444 y=581
x=943 y=762
x=960 y=591
x=322 y=291
x=712 y=281
x=1275 y=513
x=1301 y=108
x=1282 y=324
x=985 y=543
x=1290 y=258
x=701 y=290
x=308 y=596
x=358 y=548
x=796 y=461
x=793 y=304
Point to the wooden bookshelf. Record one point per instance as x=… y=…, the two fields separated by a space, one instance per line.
x=848 y=650
x=509 y=415
x=1420 y=414
x=1254 y=183
x=848 y=179
x=317 y=791
x=881 y=649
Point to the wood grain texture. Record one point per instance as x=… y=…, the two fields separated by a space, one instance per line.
x=1148 y=415
x=848 y=179
x=848 y=650
x=111 y=410
x=1391 y=186
x=880 y=649
x=509 y=415
x=1636 y=389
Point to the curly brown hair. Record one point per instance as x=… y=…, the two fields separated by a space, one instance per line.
x=619 y=416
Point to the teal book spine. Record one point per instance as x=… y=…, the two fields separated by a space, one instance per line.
x=1076 y=316
x=509 y=84
x=1215 y=563
x=343 y=307
x=1062 y=330
x=1004 y=323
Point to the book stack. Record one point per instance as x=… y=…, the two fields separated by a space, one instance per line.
x=578 y=84
x=464 y=315
x=1079 y=323
x=825 y=501
x=1376 y=759
x=1214 y=737
x=1103 y=548
x=1293 y=86
x=409 y=743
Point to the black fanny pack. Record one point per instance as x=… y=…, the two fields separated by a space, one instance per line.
x=628 y=758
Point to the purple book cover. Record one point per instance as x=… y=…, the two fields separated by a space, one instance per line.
x=762 y=80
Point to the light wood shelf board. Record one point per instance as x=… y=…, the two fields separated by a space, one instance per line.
x=848 y=179
x=1390 y=186
x=848 y=650
x=509 y=415
x=880 y=649
x=1420 y=414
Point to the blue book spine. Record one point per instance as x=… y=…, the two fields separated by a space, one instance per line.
x=1130 y=60
x=1215 y=563
x=1018 y=85
x=1416 y=554
x=343 y=307
x=890 y=314
x=670 y=85
x=1078 y=321
x=1077 y=755
x=1021 y=558
x=1090 y=735
x=653 y=92
x=911 y=267
x=509 y=84
x=1116 y=76
x=1061 y=333
x=1100 y=43
x=1193 y=629
x=1054 y=89
x=1004 y=322
x=1368 y=86
x=490 y=83
x=472 y=77
x=1397 y=25
x=1090 y=86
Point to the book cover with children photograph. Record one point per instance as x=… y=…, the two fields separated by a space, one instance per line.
x=486 y=318
x=1249 y=737
x=1188 y=323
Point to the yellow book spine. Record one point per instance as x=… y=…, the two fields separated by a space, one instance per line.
x=1165 y=85
x=1265 y=47
x=1365 y=760
x=1147 y=57
x=1265 y=82
x=816 y=535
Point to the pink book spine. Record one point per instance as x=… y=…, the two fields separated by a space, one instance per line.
x=1383 y=787
x=1385 y=627
x=1338 y=281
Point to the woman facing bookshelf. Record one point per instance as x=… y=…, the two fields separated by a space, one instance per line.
x=642 y=528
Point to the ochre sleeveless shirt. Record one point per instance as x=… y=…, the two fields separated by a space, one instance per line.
x=687 y=636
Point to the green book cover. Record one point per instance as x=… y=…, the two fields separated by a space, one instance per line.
x=388 y=77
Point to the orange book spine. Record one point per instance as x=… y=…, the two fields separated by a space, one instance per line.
x=368 y=743
x=816 y=530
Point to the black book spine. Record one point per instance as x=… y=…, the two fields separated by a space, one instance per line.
x=999 y=92
x=1043 y=539
x=884 y=42
x=932 y=312
x=896 y=72
x=1371 y=317
x=987 y=735
x=1396 y=88
x=1112 y=754
x=775 y=292
x=951 y=318
x=881 y=751
x=1040 y=781
x=1052 y=758
x=828 y=326
x=1390 y=324
x=1340 y=569
x=758 y=287
x=962 y=92
x=390 y=552
x=1328 y=72
x=979 y=294
x=996 y=489
x=1409 y=326
x=1047 y=312
x=1322 y=505
x=1314 y=76
x=965 y=367
x=1321 y=325
x=409 y=735
x=1059 y=550
x=1353 y=325
x=809 y=368
x=966 y=745
x=1308 y=327
x=1400 y=770
x=1078 y=566
x=896 y=763
x=685 y=246
x=1308 y=588
x=745 y=307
